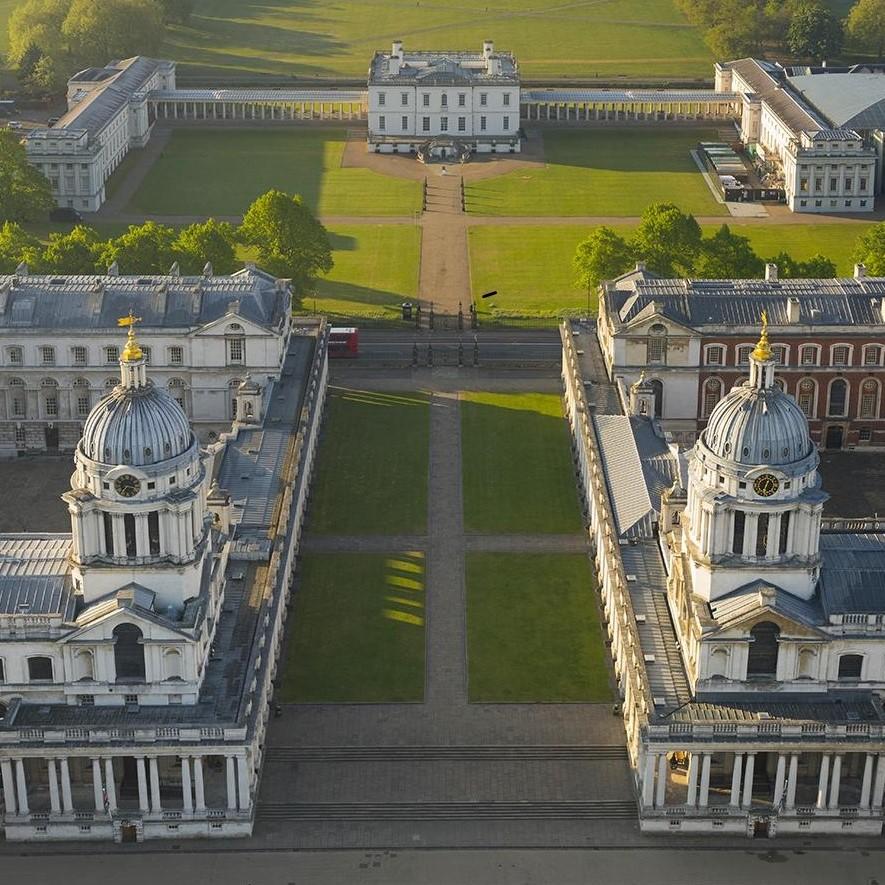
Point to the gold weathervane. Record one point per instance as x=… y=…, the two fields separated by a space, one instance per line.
x=762 y=351
x=132 y=351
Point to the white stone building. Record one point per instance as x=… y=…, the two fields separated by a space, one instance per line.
x=746 y=629
x=821 y=129
x=135 y=666
x=59 y=345
x=444 y=104
x=108 y=113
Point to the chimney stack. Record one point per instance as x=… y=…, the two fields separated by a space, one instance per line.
x=488 y=48
x=860 y=271
x=771 y=273
x=793 y=310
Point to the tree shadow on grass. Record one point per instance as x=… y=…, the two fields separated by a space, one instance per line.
x=366 y=301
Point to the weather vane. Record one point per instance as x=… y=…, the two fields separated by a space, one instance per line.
x=132 y=351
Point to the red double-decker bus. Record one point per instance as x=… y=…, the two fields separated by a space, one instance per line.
x=344 y=342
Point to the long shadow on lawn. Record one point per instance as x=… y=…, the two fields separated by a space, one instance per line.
x=383 y=300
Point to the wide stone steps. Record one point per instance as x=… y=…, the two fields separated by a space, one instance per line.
x=613 y=809
x=500 y=753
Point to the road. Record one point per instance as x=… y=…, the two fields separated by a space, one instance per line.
x=490 y=867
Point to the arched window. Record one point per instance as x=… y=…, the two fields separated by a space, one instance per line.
x=719 y=663
x=176 y=391
x=40 y=669
x=110 y=384
x=807 y=664
x=838 y=397
x=656 y=344
x=806 y=396
x=850 y=666
x=49 y=394
x=233 y=385
x=779 y=384
x=872 y=355
x=18 y=406
x=737 y=538
x=712 y=395
x=869 y=398
x=172 y=664
x=236 y=344
x=658 y=388
x=809 y=355
x=82 y=401
x=762 y=657
x=762 y=522
x=84 y=665
x=128 y=653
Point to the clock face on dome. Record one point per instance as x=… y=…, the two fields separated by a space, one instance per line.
x=766 y=485
x=127 y=485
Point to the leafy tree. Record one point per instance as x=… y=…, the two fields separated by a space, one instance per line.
x=869 y=249
x=667 y=239
x=725 y=255
x=75 y=252
x=98 y=32
x=25 y=194
x=146 y=248
x=177 y=11
x=45 y=76
x=818 y=267
x=290 y=240
x=602 y=256
x=37 y=24
x=28 y=61
x=16 y=245
x=814 y=32
x=866 y=26
x=212 y=241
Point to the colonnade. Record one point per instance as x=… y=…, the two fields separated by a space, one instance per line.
x=249 y=109
x=13 y=776
x=627 y=110
x=655 y=778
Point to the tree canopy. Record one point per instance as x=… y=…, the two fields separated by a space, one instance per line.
x=212 y=241
x=25 y=194
x=870 y=249
x=814 y=32
x=667 y=239
x=866 y=26
x=603 y=255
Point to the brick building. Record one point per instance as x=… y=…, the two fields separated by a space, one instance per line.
x=693 y=338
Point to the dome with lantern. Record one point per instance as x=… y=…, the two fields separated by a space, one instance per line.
x=756 y=423
x=136 y=424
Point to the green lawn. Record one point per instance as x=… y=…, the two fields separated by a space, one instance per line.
x=602 y=172
x=215 y=172
x=531 y=266
x=518 y=475
x=533 y=631
x=632 y=38
x=376 y=268
x=357 y=630
x=372 y=472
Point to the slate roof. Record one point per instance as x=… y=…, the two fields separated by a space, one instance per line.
x=528 y=96
x=735 y=607
x=697 y=303
x=851 y=100
x=767 y=82
x=259 y=95
x=852 y=576
x=34 y=575
x=445 y=68
x=848 y=707
x=96 y=302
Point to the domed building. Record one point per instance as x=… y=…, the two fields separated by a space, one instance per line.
x=754 y=496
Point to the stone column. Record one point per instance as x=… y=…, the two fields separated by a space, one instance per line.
x=691 y=798
x=705 y=781
x=187 y=796
x=779 y=779
x=67 y=803
x=867 y=782
x=143 y=805
x=792 y=781
x=9 y=786
x=96 y=784
x=110 y=786
x=231 y=785
x=198 y=785
x=748 y=780
x=736 y=770
x=835 y=781
x=822 y=781
x=54 y=804
x=156 y=807
x=243 y=783
x=648 y=780
x=661 y=794
x=22 y=786
x=879 y=786
x=142 y=545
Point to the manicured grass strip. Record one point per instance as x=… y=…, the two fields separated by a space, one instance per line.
x=376 y=268
x=221 y=171
x=517 y=471
x=532 y=630
x=357 y=630
x=235 y=38
x=531 y=266
x=372 y=472
x=610 y=172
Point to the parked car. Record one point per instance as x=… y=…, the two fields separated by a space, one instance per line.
x=65 y=213
x=14 y=124
x=52 y=121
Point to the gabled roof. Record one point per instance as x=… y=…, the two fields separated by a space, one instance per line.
x=761 y=596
